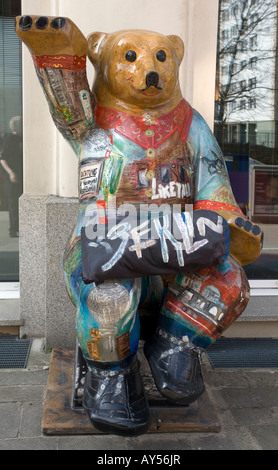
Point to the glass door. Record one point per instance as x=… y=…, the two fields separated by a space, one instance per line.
x=11 y=155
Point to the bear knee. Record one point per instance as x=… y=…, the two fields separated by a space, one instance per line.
x=108 y=302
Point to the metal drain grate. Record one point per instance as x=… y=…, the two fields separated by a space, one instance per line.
x=243 y=353
x=14 y=352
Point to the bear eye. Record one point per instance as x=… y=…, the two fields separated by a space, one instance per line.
x=131 y=56
x=161 y=55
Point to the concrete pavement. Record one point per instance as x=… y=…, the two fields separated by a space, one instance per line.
x=246 y=401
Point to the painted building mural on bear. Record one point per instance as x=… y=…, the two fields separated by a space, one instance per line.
x=158 y=224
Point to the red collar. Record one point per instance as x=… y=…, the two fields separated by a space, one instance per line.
x=145 y=131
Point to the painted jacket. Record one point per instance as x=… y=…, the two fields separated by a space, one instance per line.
x=174 y=159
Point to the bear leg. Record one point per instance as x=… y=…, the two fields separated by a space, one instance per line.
x=197 y=309
x=108 y=333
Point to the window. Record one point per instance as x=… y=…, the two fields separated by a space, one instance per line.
x=242 y=45
x=235 y=68
x=234 y=31
x=248 y=133
x=10 y=140
x=225 y=34
x=234 y=88
x=254 y=18
x=252 y=103
x=252 y=82
x=226 y=15
x=242 y=104
x=243 y=64
x=253 y=42
x=242 y=85
x=232 y=106
x=253 y=63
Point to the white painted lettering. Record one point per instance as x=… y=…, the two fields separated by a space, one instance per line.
x=172 y=185
x=164 y=233
x=113 y=234
x=173 y=189
x=154 y=195
x=202 y=222
x=178 y=189
x=136 y=234
x=185 y=225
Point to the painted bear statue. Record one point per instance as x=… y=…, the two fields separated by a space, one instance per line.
x=158 y=224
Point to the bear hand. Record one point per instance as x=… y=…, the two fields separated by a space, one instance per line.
x=51 y=35
x=246 y=238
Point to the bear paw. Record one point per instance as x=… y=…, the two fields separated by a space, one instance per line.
x=248 y=226
x=50 y=35
x=246 y=238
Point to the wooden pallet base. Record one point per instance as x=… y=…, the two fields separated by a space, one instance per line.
x=61 y=418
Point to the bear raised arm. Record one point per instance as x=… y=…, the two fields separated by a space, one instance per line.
x=59 y=51
x=144 y=151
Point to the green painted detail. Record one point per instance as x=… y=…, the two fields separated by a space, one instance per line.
x=116 y=174
x=112 y=173
x=179 y=279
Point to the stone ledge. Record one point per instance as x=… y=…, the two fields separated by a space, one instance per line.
x=10 y=313
x=260 y=308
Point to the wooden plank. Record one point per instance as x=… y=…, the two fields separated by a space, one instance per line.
x=59 y=416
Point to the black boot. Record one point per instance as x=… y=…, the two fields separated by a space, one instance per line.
x=175 y=367
x=114 y=399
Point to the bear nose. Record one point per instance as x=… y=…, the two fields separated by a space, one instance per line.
x=152 y=79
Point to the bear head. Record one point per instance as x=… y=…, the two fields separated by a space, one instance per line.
x=136 y=70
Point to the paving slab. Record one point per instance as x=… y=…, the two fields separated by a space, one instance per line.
x=10 y=415
x=267 y=436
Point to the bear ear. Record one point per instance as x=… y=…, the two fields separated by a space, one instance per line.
x=94 y=42
x=178 y=45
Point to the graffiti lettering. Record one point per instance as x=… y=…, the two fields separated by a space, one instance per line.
x=164 y=233
x=173 y=189
x=138 y=235
x=119 y=231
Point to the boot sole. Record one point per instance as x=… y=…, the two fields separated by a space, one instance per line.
x=111 y=428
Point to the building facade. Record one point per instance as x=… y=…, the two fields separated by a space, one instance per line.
x=247 y=83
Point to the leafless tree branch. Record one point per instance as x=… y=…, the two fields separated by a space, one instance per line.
x=248 y=19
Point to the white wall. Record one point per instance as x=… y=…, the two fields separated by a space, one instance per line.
x=50 y=166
